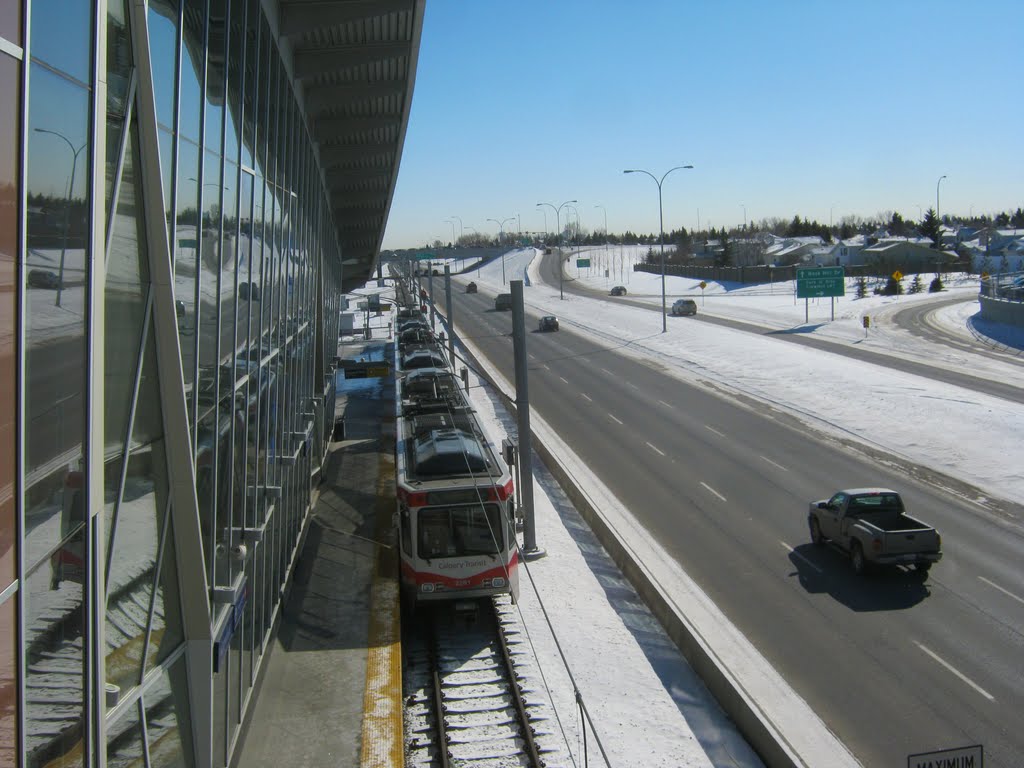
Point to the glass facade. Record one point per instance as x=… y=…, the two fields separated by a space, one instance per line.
x=175 y=393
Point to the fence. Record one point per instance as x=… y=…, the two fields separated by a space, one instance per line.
x=765 y=274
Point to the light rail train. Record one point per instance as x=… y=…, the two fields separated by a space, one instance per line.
x=456 y=501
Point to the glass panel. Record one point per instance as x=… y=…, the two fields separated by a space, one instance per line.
x=206 y=487
x=210 y=246
x=250 y=84
x=186 y=247
x=236 y=45
x=10 y=134
x=119 y=60
x=9 y=700
x=220 y=704
x=168 y=632
x=163 y=44
x=131 y=567
x=62 y=35
x=167 y=719
x=54 y=658
x=215 y=76
x=190 y=95
x=166 y=143
x=124 y=303
x=10 y=24
x=55 y=308
x=124 y=739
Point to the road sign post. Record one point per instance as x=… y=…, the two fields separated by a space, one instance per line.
x=818 y=282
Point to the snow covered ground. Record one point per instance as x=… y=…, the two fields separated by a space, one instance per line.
x=648 y=707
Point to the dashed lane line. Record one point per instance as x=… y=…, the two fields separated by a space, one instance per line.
x=1004 y=591
x=712 y=429
x=956 y=671
x=802 y=558
x=655 y=449
x=614 y=419
x=712 y=490
x=774 y=464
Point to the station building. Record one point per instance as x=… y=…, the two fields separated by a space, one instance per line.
x=187 y=190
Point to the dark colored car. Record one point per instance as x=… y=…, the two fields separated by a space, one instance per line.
x=471 y=288
x=503 y=301
x=249 y=291
x=548 y=323
x=618 y=290
x=43 y=278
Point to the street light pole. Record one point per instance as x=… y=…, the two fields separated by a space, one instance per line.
x=501 y=236
x=453 y=231
x=937 y=214
x=605 y=210
x=558 y=224
x=67 y=205
x=661 y=230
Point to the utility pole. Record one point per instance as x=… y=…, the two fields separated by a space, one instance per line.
x=523 y=420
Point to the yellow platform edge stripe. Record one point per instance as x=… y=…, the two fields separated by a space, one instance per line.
x=382 y=740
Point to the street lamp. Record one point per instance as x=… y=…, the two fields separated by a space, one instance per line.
x=605 y=221
x=558 y=224
x=501 y=236
x=453 y=231
x=67 y=204
x=661 y=230
x=937 y=214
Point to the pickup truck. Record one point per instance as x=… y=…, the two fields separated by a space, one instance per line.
x=871 y=524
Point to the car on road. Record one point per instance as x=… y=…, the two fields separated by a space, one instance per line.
x=43 y=278
x=683 y=307
x=618 y=290
x=503 y=301
x=471 y=288
x=872 y=526
x=548 y=323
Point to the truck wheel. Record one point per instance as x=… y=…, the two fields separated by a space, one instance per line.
x=860 y=564
x=923 y=568
x=816 y=538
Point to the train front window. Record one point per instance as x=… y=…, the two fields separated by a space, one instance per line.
x=460 y=531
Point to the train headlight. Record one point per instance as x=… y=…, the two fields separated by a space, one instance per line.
x=426 y=588
x=498 y=582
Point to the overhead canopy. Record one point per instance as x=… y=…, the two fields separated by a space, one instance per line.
x=354 y=62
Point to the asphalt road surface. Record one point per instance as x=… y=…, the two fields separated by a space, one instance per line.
x=895 y=664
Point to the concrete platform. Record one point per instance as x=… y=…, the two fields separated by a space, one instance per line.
x=329 y=693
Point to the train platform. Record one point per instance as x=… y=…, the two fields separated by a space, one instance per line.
x=330 y=691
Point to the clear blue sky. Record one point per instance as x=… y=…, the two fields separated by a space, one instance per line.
x=786 y=108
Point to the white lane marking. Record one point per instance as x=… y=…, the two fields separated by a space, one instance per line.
x=563 y=380
x=545 y=366
x=655 y=449
x=631 y=384
x=589 y=398
x=1004 y=591
x=667 y=405
x=607 y=371
x=713 y=491
x=614 y=419
x=797 y=554
x=712 y=429
x=774 y=464
x=531 y=355
x=956 y=672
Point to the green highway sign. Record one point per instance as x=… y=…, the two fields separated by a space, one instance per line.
x=815 y=282
x=580 y=263
x=425 y=256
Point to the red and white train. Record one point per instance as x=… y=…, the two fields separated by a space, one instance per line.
x=456 y=502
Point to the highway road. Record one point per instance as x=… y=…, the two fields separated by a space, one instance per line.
x=894 y=664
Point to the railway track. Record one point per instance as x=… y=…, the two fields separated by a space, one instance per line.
x=468 y=699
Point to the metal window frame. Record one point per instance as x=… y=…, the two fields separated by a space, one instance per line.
x=195 y=613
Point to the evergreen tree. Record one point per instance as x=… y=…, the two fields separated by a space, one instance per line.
x=893 y=287
x=930 y=227
x=862 y=287
x=936 y=286
x=915 y=285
